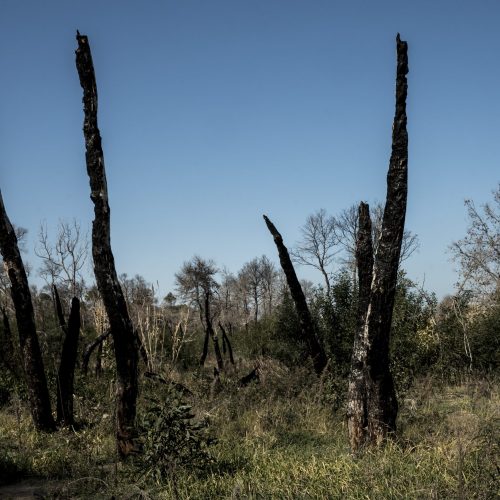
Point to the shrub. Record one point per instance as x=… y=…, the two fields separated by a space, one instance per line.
x=172 y=439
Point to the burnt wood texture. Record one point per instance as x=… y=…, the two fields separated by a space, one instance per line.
x=125 y=343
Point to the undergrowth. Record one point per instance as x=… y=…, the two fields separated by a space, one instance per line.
x=274 y=439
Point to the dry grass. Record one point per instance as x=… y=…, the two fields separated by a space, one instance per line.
x=278 y=439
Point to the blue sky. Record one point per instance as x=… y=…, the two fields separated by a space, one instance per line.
x=214 y=112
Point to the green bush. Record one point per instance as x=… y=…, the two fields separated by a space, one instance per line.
x=172 y=439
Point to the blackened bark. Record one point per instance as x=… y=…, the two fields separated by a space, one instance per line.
x=66 y=373
x=211 y=333
x=306 y=324
x=204 y=354
x=7 y=352
x=59 y=310
x=226 y=341
x=28 y=338
x=252 y=376
x=90 y=349
x=357 y=417
x=126 y=351
x=372 y=419
x=224 y=348
x=382 y=402
x=98 y=362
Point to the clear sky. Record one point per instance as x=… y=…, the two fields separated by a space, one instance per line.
x=214 y=112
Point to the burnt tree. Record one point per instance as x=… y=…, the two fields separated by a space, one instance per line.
x=28 y=339
x=211 y=332
x=226 y=343
x=90 y=349
x=66 y=372
x=357 y=417
x=378 y=395
x=125 y=343
x=196 y=283
x=306 y=323
x=7 y=353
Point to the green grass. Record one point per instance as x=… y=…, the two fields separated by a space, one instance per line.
x=278 y=439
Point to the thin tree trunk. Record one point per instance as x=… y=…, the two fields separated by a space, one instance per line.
x=98 y=362
x=380 y=400
x=125 y=344
x=218 y=354
x=90 y=349
x=59 y=310
x=30 y=348
x=204 y=354
x=357 y=418
x=306 y=324
x=224 y=348
x=226 y=341
x=66 y=373
x=211 y=332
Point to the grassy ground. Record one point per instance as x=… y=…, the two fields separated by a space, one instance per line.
x=276 y=439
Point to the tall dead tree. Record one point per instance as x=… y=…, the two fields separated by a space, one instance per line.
x=125 y=344
x=306 y=323
x=376 y=388
x=30 y=348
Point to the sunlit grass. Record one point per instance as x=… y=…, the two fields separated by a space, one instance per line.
x=278 y=439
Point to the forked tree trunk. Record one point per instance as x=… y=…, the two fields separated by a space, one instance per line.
x=66 y=372
x=30 y=348
x=126 y=352
x=379 y=397
x=306 y=324
x=226 y=342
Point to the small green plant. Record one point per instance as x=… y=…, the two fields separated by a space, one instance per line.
x=172 y=439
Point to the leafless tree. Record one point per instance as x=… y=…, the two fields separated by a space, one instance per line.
x=346 y=228
x=197 y=285
x=251 y=275
x=478 y=253
x=319 y=244
x=63 y=261
x=269 y=276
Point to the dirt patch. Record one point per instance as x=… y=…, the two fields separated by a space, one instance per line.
x=32 y=489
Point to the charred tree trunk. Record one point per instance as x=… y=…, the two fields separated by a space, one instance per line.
x=225 y=340
x=30 y=348
x=218 y=355
x=211 y=333
x=125 y=344
x=66 y=373
x=98 y=362
x=59 y=309
x=357 y=417
x=7 y=352
x=204 y=354
x=306 y=324
x=380 y=398
x=90 y=349
x=224 y=348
